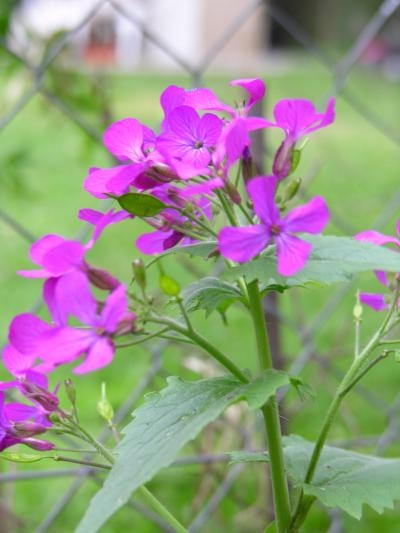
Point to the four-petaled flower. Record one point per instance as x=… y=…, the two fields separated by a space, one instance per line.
x=241 y=244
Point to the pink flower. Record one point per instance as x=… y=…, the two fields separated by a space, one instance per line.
x=31 y=338
x=241 y=244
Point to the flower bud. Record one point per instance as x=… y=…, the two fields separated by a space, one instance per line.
x=104 y=407
x=43 y=397
x=26 y=428
x=102 y=279
x=233 y=193
x=283 y=161
x=70 y=390
x=40 y=445
x=249 y=169
x=139 y=273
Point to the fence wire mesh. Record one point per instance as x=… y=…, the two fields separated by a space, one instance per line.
x=290 y=319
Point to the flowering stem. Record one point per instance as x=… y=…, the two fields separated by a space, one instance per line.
x=270 y=414
x=203 y=343
x=358 y=369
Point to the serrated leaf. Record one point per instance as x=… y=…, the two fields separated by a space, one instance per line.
x=210 y=294
x=332 y=260
x=160 y=428
x=248 y=457
x=140 y=204
x=345 y=479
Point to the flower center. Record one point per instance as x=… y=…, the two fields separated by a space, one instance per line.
x=275 y=229
x=198 y=145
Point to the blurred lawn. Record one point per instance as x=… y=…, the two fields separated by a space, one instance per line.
x=351 y=163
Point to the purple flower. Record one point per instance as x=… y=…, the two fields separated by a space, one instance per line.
x=130 y=142
x=32 y=339
x=298 y=117
x=241 y=244
x=190 y=138
x=378 y=302
x=20 y=422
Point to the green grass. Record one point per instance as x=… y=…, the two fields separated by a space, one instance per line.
x=352 y=164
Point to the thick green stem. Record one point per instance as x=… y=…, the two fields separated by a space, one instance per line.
x=271 y=415
x=204 y=344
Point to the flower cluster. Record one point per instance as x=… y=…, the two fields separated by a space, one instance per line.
x=19 y=422
x=181 y=178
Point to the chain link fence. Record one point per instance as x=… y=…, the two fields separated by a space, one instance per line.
x=288 y=317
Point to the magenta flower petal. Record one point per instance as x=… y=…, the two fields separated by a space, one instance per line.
x=206 y=100
x=209 y=129
x=124 y=139
x=115 y=309
x=57 y=312
x=382 y=277
x=299 y=117
x=261 y=190
x=16 y=362
x=292 y=254
x=376 y=237
x=41 y=247
x=100 y=354
x=311 y=217
x=375 y=301
x=254 y=87
x=155 y=242
x=63 y=345
x=115 y=180
x=100 y=221
x=172 y=97
x=73 y=295
x=25 y=331
x=242 y=244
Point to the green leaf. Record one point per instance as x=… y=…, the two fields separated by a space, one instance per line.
x=160 y=428
x=210 y=294
x=248 y=457
x=332 y=260
x=257 y=392
x=344 y=479
x=140 y=204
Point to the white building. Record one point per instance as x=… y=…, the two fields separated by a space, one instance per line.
x=130 y=33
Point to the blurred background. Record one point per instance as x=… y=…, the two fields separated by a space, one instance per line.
x=68 y=68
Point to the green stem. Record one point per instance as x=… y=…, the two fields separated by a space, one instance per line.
x=352 y=377
x=80 y=462
x=162 y=511
x=203 y=343
x=271 y=415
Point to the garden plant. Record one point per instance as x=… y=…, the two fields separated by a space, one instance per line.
x=197 y=186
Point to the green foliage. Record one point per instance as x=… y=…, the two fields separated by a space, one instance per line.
x=210 y=294
x=344 y=479
x=332 y=260
x=162 y=426
x=140 y=204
